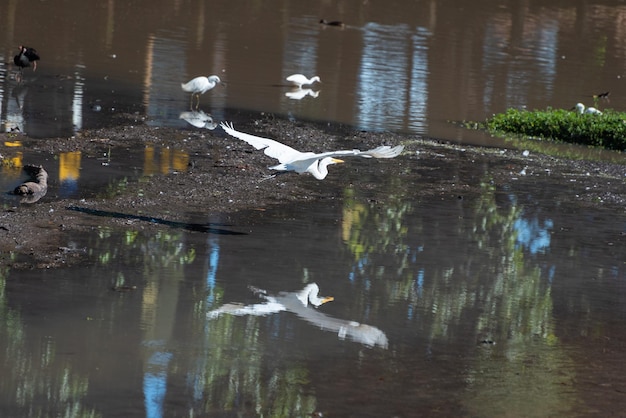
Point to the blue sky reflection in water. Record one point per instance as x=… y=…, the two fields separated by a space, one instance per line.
x=507 y=301
x=414 y=67
x=468 y=292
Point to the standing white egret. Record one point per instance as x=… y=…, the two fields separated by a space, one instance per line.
x=580 y=108
x=301 y=80
x=200 y=85
x=307 y=162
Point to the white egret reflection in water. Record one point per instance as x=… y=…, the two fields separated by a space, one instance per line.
x=300 y=93
x=440 y=278
x=199 y=119
x=297 y=303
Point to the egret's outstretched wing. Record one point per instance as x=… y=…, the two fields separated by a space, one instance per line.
x=384 y=151
x=362 y=333
x=274 y=149
x=259 y=309
x=286 y=154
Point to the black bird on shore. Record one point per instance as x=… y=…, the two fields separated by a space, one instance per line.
x=25 y=57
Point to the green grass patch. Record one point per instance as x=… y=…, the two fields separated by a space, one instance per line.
x=607 y=130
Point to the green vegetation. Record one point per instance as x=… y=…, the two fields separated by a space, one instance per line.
x=607 y=130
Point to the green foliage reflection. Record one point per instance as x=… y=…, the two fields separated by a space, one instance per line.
x=33 y=371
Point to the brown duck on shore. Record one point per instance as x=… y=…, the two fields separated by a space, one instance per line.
x=36 y=188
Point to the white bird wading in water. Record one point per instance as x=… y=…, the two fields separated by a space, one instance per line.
x=580 y=108
x=301 y=80
x=307 y=162
x=200 y=85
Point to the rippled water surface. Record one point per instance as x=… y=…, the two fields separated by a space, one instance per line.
x=509 y=302
x=404 y=66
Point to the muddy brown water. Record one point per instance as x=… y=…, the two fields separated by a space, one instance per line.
x=505 y=303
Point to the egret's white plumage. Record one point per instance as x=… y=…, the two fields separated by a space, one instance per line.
x=200 y=85
x=307 y=162
x=301 y=80
x=580 y=108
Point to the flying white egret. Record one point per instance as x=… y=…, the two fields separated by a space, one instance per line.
x=307 y=162
x=298 y=303
x=301 y=80
x=200 y=85
x=580 y=108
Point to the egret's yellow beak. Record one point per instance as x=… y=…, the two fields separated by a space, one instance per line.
x=328 y=298
x=337 y=161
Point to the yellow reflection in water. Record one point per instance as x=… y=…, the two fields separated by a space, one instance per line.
x=12 y=143
x=353 y=215
x=180 y=160
x=12 y=166
x=165 y=161
x=69 y=166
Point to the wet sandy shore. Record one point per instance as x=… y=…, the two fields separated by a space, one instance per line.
x=223 y=178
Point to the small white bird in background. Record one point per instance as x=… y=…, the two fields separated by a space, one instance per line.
x=301 y=80
x=200 y=85
x=307 y=162
x=580 y=108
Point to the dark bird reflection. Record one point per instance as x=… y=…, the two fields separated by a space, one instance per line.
x=299 y=304
x=199 y=119
x=25 y=57
x=335 y=23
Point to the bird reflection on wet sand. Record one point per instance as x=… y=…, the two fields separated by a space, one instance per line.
x=298 y=303
x=300 y=93
x=199 y=119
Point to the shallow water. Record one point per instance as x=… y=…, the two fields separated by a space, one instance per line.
x=413 y=67
x=507 y=303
